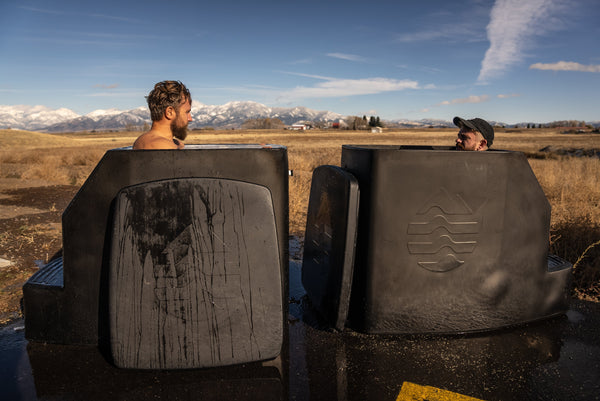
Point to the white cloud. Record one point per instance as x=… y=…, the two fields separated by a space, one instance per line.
x=301 y=61
x=350 y=87
x=41 y=10
x=111 y=17
x=512 y=27
x=503 y=96
x=85 y=15
x=454 y=32
x=116 y=94
x=470 y=99
x=308 y=75
x=105 y=86
x=89 y=15
x=349 y=57
x=565 y=66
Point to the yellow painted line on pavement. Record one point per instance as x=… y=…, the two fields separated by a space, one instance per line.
x=415 y=392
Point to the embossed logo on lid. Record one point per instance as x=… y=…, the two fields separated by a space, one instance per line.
x=444 y=230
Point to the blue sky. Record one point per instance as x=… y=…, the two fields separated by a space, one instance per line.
x=503 y=60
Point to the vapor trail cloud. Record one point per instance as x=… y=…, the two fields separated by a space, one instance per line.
x=470 y=99
x=512 y=27
x=41 y=10
x=348 y=57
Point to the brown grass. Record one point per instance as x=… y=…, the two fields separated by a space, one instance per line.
x=571 y=184
x=63 y=165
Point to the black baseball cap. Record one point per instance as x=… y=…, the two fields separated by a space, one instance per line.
x=479 y=125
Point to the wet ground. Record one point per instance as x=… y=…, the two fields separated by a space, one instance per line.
x=558 y=359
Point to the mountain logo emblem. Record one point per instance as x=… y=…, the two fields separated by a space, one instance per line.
x=443 y=232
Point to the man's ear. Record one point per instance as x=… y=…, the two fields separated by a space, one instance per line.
x=170 y=113
x=483 y=144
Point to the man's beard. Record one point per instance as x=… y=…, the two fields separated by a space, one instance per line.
x=178 y=132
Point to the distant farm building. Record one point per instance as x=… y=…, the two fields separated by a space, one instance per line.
x=340 y=124
x=300 y=127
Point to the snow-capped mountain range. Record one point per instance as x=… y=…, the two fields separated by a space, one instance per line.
x=229 y=115
x=33 y=117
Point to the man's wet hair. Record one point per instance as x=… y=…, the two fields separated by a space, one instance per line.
x=165 y=94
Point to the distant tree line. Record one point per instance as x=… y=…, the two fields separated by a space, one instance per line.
x=566 y=123
x=263 y=123
x=357 y=123
x=374 y=122
x=351 y=123
x=130 y=127
x=560 y=124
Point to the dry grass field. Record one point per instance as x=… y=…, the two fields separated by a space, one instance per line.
x=40 y=173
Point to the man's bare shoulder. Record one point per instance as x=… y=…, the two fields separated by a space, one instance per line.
x=151 y=140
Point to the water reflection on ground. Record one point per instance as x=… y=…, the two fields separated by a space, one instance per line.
x=557 y=359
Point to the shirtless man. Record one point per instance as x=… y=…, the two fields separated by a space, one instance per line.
x=476 y=134
x=170 y=106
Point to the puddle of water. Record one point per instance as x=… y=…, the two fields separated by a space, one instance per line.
x=574 y=316
x=556 y=359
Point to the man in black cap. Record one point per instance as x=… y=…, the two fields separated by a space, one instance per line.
x=476 y=134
